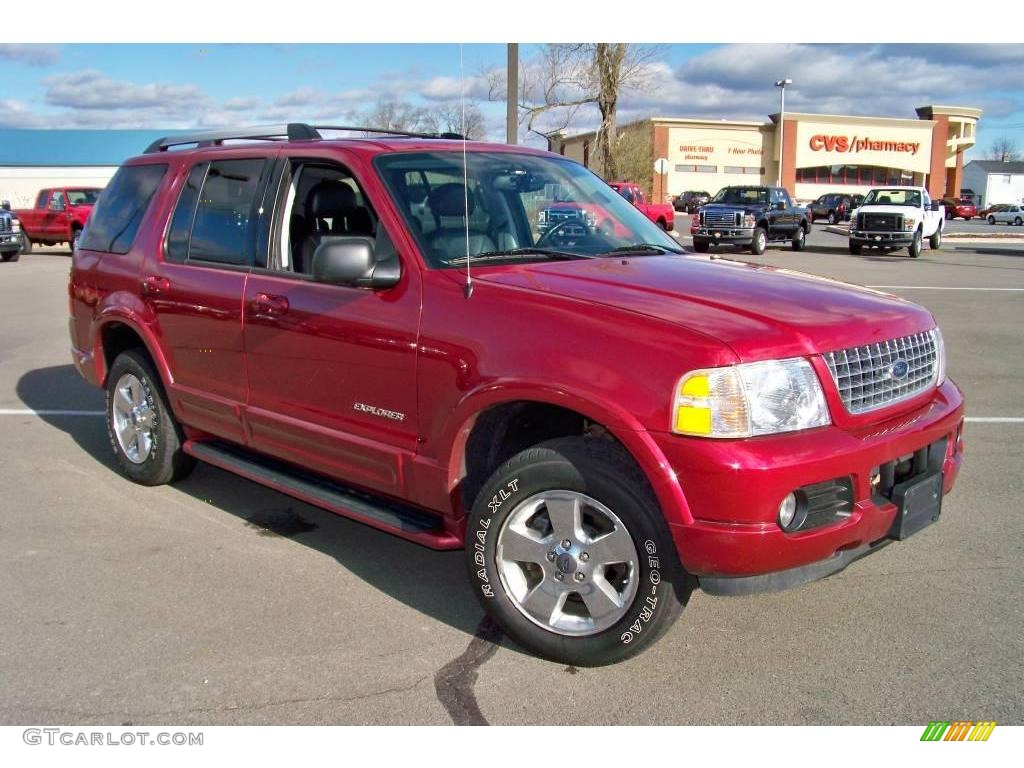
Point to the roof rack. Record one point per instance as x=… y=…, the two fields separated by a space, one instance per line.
x=289 y=132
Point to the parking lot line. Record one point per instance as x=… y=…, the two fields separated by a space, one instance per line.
x=33 y=412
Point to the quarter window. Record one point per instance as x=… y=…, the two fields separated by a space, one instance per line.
x=120 y=209
x=225 y=218
x=184 y=214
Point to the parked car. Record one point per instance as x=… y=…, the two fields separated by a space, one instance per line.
x=661 y=214
x=959 y=208
x=1010 y=214
x=10 y=233
x=750 y=217
x=984 y=212
x=834 y=207
x=897 y=217
x=59 y=216
x=690 y=201
x=598 y=426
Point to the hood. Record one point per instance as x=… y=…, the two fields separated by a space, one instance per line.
x=745 y=207
x=760 y=312
x=900 y=210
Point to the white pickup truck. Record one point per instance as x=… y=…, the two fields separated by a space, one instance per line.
x=896 y=217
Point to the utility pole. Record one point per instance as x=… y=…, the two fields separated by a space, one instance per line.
x=512 y=96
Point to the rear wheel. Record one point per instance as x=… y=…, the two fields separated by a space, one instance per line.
x=991 y=219
x=568 y=551
x=759 y=242
x=700 y=247
x=143 y=433
x=915 y=245
x=799 y=239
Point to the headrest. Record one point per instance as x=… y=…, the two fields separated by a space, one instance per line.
x=329 y=198
x=451 y=200
x=885 y=200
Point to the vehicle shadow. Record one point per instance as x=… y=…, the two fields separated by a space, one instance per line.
x=433 y=583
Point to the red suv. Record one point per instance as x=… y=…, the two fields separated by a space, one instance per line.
x=600 y=421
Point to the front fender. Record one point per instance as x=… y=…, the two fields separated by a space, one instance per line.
x=619 y=422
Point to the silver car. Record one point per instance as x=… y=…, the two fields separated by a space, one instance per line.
x=1008 y=214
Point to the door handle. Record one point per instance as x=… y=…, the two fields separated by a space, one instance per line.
x=272 y=306
x=155 y=284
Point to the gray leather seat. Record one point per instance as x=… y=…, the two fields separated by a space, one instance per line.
x=332 y=209
x=448 y=204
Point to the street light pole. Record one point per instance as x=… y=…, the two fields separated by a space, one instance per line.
x=782 y=124
x=512 y=95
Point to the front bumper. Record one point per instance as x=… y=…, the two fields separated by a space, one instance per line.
x=10 y=242
x=734 y=487
x=894 y=239
x=725 y=235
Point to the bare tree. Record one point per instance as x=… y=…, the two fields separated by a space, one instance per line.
x=1003 y=148
x=395 y=115
x=565 y=77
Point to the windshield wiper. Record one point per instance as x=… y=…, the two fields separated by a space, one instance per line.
x=516 y=252
x=641 y=248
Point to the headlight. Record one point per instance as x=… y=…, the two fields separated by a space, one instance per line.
x=940 y=357
x=749 y=399
x=748 y=220
x=909 y=225
x=15 y=225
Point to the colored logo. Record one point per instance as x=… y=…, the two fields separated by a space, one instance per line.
x=899 y=369
x=958 y=730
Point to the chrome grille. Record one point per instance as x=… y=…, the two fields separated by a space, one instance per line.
x=5 y=224
x=882 y=222
x=564 y=214
x=864 y=375
x=728 y=218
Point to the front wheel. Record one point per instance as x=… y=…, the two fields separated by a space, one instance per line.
x=11 y=256
x=915 y=245
x=799 y=239
x=759 y=241
x=568 y=551
x=855 y=248
x=143 y=433
x=935 y=241
x=26 y=243
x=831 y=217
x=1017 y=222
x=700 y=247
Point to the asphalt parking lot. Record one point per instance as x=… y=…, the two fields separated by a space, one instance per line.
x=217 y=601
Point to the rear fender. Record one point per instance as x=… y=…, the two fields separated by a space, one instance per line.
x=132 y=312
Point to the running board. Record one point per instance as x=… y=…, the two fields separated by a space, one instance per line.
x=384 y=514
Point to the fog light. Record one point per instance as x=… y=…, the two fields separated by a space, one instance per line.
x=787 y=511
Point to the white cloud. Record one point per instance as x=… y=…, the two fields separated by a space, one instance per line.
x=32 y=55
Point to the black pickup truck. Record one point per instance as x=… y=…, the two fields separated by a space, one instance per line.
x=750 y=217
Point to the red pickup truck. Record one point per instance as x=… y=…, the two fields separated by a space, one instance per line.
x=597 y=420
x=662 y=214
x=59 y=216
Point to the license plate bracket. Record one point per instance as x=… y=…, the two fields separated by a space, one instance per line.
x=918 y=504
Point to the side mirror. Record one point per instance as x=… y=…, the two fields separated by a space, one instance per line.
x=350 y=261
x=6 y=205
x=780 y=206
x=935 y=206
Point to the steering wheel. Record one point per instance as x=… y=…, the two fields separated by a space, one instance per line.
x=559 y=226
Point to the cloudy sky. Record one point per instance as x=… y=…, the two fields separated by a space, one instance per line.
x=181 y=86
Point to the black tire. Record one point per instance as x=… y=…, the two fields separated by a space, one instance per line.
x=831 y=217
x=663 y=224
x=601 y=470
x=935 y=241
x=799 y=239
x=855 y=248
x=1017 y=221
x=915 y=247
x=991 y=219
x=166 y=461
x=700 y=246
x=26 y=243
x=759 y=241
x=11 y=256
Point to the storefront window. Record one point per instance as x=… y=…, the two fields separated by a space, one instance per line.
x=862 y=175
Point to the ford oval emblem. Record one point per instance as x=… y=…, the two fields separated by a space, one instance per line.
x=899 y=369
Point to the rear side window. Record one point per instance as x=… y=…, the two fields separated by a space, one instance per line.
x=117 y=215
x=224 y=226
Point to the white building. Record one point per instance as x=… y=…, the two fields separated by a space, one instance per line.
x=995 y=181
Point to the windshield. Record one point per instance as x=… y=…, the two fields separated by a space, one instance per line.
x=83 y=196
x=893 y=197
x=742 y=195
x=515 y=207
